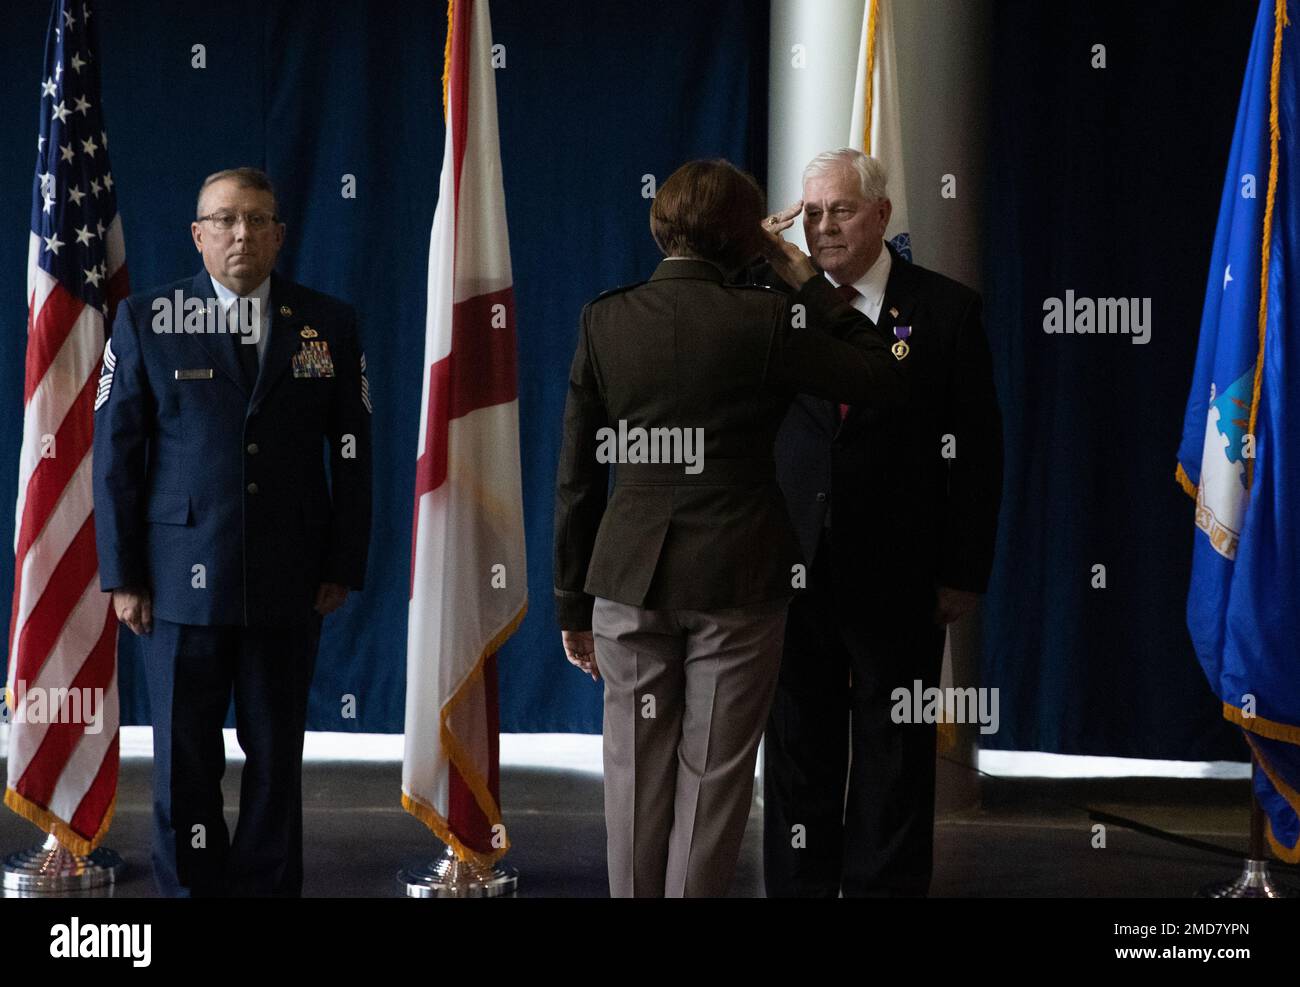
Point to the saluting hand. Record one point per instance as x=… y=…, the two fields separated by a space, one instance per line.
x=580 y=649
x=791 y=264
x=134 y=607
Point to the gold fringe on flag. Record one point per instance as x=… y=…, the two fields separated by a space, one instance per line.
x=68 y=838
x=446 y=57
x=464 y=763
x=873 y=18
x=1280 y=21
x=1289 y=854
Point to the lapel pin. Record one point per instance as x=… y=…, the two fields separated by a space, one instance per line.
x=286 y=310
x=894 y=312
x=308 y=332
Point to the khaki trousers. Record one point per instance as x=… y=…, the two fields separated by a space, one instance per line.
x=687 y=694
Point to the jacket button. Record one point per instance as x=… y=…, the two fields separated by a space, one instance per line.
x=252 y=448
x=252 y=488
x=821 y=498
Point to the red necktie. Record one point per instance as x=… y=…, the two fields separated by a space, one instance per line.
x=848 y=293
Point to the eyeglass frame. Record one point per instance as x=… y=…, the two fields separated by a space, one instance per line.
x=213 y=218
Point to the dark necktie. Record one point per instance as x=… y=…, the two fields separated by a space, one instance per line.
x=848 y=293
x=245 y=352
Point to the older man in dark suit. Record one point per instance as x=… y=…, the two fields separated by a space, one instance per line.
x=219 y=535
x=896 y=511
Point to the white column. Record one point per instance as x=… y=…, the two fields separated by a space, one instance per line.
x=811 y=64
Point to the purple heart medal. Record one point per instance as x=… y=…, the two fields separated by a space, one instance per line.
x=900 y=349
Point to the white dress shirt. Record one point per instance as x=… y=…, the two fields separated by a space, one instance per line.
x=262 y=293
x=871 y=286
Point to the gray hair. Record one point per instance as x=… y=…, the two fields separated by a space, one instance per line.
x=870 y=171
x=253 y=178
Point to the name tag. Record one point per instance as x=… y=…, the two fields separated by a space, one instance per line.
x=194 y=374
x=313 y=360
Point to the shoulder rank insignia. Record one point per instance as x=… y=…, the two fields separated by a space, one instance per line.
x=105 y=375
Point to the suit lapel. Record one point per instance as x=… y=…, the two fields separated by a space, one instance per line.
x=900 y=299
x=286 y=320
x=896 y=309
x=218 y=346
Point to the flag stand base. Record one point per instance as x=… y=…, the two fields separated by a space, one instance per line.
x=52 y=869
x=1254 y=882
x=451 y=877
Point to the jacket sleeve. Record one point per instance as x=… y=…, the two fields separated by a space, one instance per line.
x=824 y=346
x=124 y=417
x=975 y=471
x=581 y=488
x=350 y=464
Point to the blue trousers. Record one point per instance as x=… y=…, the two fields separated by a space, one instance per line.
x=192 y=671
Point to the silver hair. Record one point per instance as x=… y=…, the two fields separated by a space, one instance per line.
x=870 y=171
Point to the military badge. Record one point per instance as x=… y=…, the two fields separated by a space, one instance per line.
x=900 y=349
x=313 y=360
x=307 y=332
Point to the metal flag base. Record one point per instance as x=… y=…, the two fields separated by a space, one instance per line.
x=451 y=877
x=51 y=869
x=1254 y=882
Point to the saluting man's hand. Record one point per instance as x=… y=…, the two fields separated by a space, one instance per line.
x=580 y=649
x=329 y=597
x=134 y=607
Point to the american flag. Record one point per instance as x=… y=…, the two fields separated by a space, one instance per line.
x=62 y=633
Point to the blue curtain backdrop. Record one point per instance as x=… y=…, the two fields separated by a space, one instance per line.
x=1101 y=181
x=1105 y=181
x=594 y=95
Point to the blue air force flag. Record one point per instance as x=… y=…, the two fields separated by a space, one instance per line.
x=1240 y=451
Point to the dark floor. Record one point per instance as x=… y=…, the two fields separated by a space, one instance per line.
x=1032 y=838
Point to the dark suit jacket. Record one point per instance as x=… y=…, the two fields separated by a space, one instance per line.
x=199 y=471
x=904 y=517
x=686 y=350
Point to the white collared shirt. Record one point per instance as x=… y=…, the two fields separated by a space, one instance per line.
x=262 y=293
x=871 y=286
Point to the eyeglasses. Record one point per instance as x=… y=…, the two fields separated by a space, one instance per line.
x=225 y=221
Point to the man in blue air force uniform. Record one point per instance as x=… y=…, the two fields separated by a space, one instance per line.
x=221 y=535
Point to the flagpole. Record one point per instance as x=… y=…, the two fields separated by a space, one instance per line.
x=451 y=768
x=1254 y=880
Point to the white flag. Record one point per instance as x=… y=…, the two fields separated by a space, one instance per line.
x=468 y=576
x=885 y=125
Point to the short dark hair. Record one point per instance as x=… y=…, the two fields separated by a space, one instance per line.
x=243 y=177
x=708 y=209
